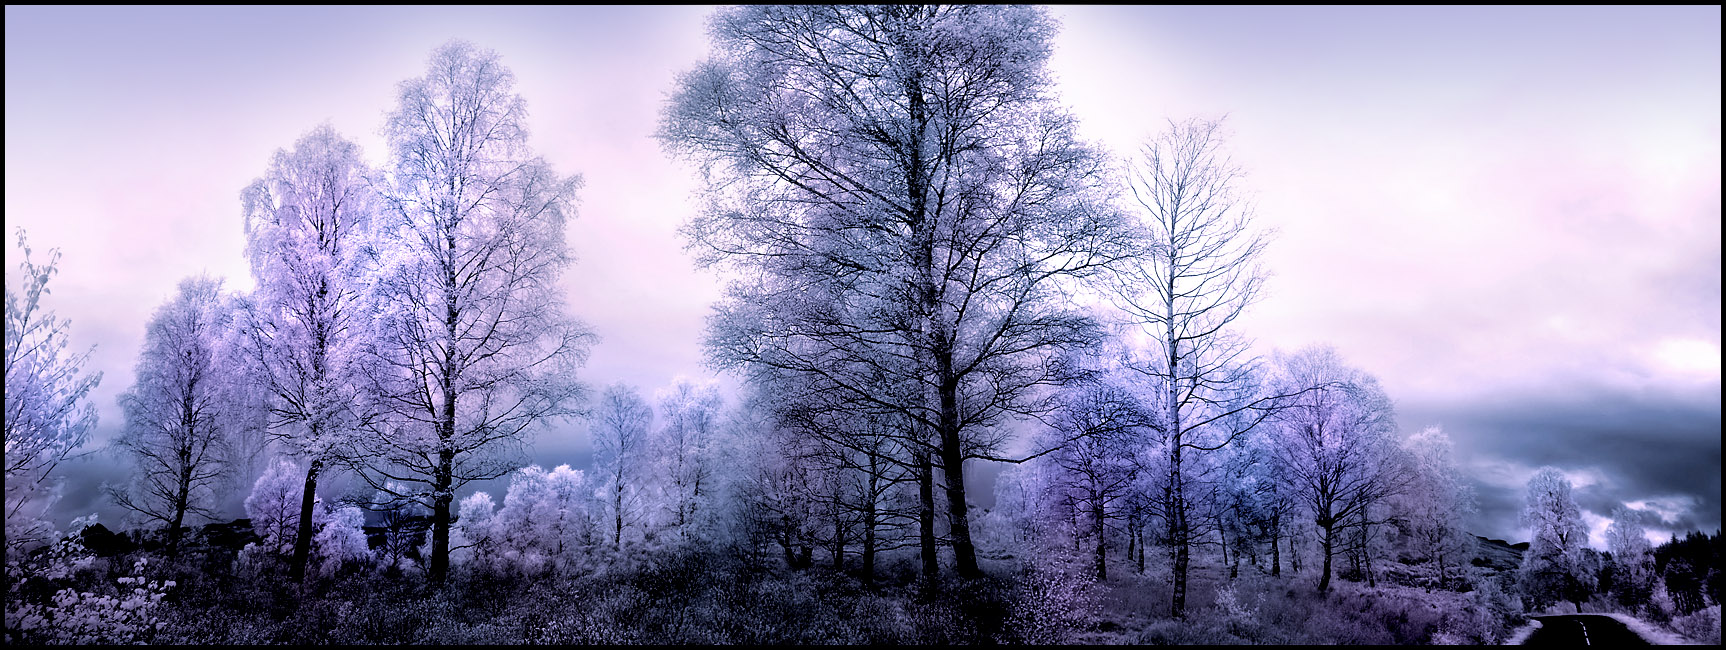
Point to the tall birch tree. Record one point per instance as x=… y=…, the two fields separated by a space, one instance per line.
x=306 y=223
x=470 y=347
x=1196 y=271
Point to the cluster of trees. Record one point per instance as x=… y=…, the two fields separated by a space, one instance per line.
x=1676 y=579
x=406 y=326
x=929 y=258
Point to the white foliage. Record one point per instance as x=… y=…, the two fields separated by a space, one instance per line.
x=1436 y=500
x=180 y=409
x=545 y=523
x=111 y=614
x=683 y=446
x=48 y=411
x=619 y=433
x=1554 y=567
x=307 y=223
x=274 y=506
x=340 y=540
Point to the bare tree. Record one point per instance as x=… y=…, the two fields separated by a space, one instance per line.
x=179 y=411
x=48 y=411
x=1334 y=447
x=620 y=429
x=1196 y=273
x=1098 y=427
x=1436 y=501
x=910 y=206
x=470 y=345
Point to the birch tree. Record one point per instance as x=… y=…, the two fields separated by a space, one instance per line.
x=1632 y=557
x=622 y=423
x=689 y=424
x=306 y=223
x=908 y=206
x=1334 y=445
x=470 y=346
x=1197 y=270
x=179 y=412
x=1437 y=501
x=1554 y=567
x=48 y=411
x=1098 y=428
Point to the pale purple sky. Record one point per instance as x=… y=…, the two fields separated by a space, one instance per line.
x=1510 y=215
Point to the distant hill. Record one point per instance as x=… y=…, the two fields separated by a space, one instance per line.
x=1498 y=554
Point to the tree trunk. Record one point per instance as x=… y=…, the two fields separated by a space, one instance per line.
x=1102 y=540
x=441 y=497
x=1366 y=555
x=1141 y=558
x=303 y=539
x=869 y=517
x=617 y=512
x=1223 y=538
x=1276 y=551
x=1324 y=579
x=953 y=461
x=869 y=543
x=926 y=514
x=182 y=499
x=1132 y=535
x=1441 y=569
x=838 y=543
x=1178 y=531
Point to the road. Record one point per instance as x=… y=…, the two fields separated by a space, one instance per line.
x=1579 y=630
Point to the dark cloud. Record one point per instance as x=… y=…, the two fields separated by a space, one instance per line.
x=1627 y=445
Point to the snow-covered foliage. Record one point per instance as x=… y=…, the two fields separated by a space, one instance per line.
x=48 y=412
x=274 y=506
x=1435 y=502
x=1058 y=597
x=1632 y=558
x=546 y=522
x=621 y=424
x=338 y=539
x=56 y=598
x=308 y=223
x=1334 y=446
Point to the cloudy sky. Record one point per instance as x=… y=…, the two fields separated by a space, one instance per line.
x=1510 y=215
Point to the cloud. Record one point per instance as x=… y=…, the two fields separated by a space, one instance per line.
x=1654 y=451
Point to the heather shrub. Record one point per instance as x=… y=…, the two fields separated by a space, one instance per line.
x=65 y=595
